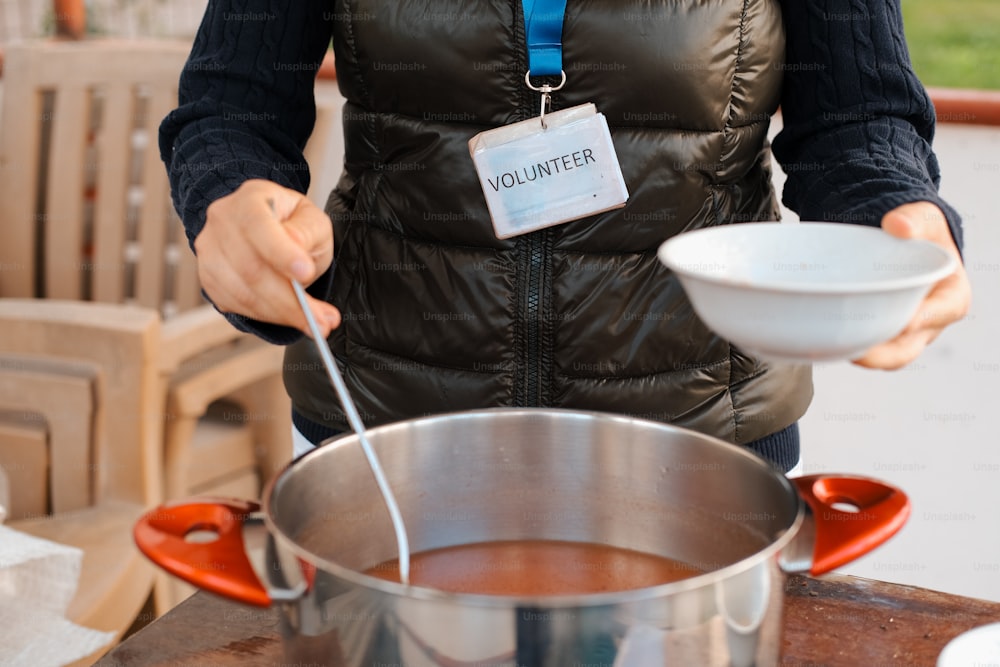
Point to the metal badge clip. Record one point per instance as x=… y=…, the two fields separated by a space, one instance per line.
x=546 y=90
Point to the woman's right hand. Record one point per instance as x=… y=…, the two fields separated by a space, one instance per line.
x=257 y=239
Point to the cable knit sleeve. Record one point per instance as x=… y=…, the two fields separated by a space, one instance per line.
x=246 y=109
x=858 y=124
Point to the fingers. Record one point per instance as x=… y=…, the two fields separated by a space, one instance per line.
x=248 y=254
x=305 y=248
x=239 y=282
x=947 y=303
x=269 y=241
x=311 y=229
x=897 y=353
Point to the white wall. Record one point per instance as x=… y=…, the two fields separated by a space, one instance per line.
x=928 y=428
x=325 y=172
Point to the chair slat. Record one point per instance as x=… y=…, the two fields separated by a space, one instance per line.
x=20 y=136
x=64 y=209
x=188 y=286
x=152 y=274
x=111 y=209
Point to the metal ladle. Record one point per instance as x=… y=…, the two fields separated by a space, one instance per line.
x=354 y=419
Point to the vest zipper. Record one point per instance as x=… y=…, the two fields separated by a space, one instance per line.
x=532 y=312
x=530 y=388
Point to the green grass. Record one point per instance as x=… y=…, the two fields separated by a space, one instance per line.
x=954 y=43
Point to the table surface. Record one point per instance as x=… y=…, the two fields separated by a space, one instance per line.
x=835 y=620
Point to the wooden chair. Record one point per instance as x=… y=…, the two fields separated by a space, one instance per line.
x=84 y=196
x=48 y=410
x=85 y=214
x=24 y=465
x=104 y=447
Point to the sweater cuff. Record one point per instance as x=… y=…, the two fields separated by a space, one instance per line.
x=314 y=432
x=193 y=197
x=856 y=173
x=872 y=212
x=781 y=449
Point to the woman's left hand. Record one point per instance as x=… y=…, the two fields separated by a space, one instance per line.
x=947 y=302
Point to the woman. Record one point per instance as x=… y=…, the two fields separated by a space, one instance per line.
x=427 y=310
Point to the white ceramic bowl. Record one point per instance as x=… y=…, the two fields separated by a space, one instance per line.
x=810 y=291
x=979 y=646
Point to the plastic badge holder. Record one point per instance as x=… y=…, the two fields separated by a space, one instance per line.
x=535 y=177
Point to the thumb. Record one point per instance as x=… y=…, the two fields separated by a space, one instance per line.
x=917 y=220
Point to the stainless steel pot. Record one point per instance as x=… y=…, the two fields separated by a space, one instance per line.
x=516 y=474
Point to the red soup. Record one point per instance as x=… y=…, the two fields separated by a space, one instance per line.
x=536 y=567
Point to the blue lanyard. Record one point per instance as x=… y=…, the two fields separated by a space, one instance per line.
x=543 y=22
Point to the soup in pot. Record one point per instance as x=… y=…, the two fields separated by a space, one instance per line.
x=536 y=567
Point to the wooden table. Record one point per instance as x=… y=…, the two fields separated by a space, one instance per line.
x=833 y=621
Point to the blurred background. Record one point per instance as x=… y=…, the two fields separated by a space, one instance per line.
x=952 y=44
x=21 y=19
x=926 y=428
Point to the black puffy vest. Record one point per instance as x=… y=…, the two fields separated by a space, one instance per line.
x=440 y=315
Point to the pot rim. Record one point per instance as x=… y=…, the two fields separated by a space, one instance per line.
x=637 y=595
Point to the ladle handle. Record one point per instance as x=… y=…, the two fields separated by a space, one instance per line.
x=354 y=419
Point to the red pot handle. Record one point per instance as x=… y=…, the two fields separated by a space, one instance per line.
x=220 y=566
x=843 y=536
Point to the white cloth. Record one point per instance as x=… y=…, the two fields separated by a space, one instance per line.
x=38 y=578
